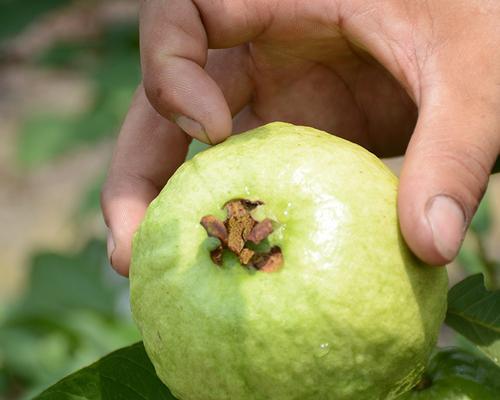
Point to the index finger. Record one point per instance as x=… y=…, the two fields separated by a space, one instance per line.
x=175 y=37
x=148 y=151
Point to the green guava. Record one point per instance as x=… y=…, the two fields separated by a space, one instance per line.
x=455 y=374
x=345 y=312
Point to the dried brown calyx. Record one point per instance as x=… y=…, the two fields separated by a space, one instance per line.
x=235 y=233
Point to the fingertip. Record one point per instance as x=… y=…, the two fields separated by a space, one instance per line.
x=192 y=100
x=124 y=207
x=432 y=217
x=192 y=128
x=110 y=246
x=447 y=222
x=440 y=188
x=418 y=232
x=120 y=261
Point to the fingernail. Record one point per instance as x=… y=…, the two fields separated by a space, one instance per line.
x=110 y=247
x=192 y=128
x=447 y=221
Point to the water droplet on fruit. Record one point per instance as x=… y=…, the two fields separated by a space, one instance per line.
x=323 y=349
x=288 y=206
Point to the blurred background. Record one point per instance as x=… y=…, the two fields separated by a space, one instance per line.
x=67 y=73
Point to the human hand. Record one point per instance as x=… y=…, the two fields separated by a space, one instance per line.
x=394 y=76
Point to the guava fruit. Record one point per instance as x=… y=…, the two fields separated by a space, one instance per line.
x=455 y=374
x=330 y=304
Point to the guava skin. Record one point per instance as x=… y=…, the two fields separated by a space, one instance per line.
x=458 y=375
x=352 y=314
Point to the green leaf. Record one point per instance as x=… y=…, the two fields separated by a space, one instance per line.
x=64 y=283
x=460 y=363
x=482 y=221
x=474 y=312
x=453 y=374
x=124 y=374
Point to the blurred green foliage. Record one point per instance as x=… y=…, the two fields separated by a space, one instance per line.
x=482 y=221
x=15 y=15
x=110 y=62
x=475 y=258
x=74 y=308
x=71 y=313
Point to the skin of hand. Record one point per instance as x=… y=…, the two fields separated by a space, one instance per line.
x=396 y=76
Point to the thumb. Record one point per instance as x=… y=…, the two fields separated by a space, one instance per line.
x=446 y=171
